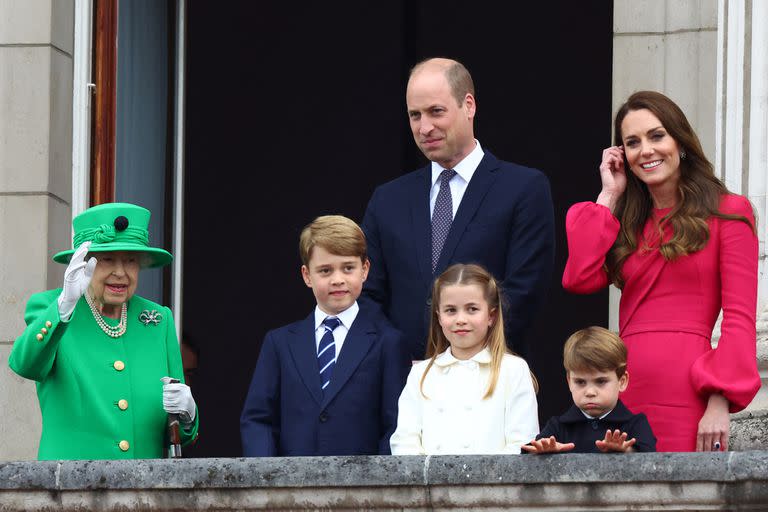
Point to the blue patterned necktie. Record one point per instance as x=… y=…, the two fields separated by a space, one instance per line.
x=442 y=215
x=326 y=351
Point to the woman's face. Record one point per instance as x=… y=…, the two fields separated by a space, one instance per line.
x=653 y=155
x=115 y=277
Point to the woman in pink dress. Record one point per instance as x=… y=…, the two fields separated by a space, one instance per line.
x=680 y=247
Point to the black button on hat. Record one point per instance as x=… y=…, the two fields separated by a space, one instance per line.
x=121 y=223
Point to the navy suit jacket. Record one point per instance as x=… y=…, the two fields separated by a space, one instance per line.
x=286 y=412
x=505 y=222
x=574 y=427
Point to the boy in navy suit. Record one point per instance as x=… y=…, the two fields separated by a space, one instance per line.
x=595 y=361
x=328 y=384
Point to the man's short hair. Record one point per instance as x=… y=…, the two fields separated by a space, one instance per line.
x=595 y=348
x=458 y=77
x=336 y=234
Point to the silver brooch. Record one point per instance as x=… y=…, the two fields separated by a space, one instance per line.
x=146 y=317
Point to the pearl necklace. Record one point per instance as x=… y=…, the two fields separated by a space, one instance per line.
x=111 y=331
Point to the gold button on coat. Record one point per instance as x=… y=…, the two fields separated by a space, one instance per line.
x=122 y=404
x=119 y=365
x=48 y=324
x=124 y=445
x=44 y=330
x=92 y=382
x=39 y=337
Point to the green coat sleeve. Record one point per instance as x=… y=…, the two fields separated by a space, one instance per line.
x=34 y=352
x=176 y=369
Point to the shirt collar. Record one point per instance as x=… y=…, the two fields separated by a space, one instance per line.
x=466 y=168
x=618 y=414
x=346 y=317
x=589 y=417
x=447 y=358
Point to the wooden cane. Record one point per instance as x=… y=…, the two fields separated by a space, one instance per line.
x=174 y=433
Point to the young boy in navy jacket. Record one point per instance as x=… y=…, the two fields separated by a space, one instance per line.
x=328 y=384
x=595 y=361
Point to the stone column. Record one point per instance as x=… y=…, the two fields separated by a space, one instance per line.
x=36 y=47
x=742 y=162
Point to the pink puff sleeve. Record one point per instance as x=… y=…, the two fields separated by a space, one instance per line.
x=591 y=229
x=731 y=368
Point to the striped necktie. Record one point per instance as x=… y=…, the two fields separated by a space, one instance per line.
x=326 y=351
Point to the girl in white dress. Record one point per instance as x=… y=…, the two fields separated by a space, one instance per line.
x=471 y=395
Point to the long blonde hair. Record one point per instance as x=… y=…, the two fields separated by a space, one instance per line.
x=437 y=343
x=699 y=189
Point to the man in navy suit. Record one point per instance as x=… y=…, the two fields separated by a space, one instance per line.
x=490 y=212
x=328 y=384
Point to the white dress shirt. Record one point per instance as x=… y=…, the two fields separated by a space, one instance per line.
x=586 y=415
x=340 y=333
x=455 y=419
x=464 y=171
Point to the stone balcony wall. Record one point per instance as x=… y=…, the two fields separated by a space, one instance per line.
x=663 y=481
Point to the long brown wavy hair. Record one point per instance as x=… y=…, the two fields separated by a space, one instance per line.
x=699 y=191
x=437 y=343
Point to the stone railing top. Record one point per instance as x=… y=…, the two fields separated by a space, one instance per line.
x=319 y=472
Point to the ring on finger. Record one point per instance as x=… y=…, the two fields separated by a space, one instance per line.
x=716 y=446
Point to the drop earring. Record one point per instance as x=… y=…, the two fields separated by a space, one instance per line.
x=683 y=154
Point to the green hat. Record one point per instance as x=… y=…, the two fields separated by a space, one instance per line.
x=115 y=227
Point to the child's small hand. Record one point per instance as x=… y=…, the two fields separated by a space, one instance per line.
x=547 y=445
x=615 y=441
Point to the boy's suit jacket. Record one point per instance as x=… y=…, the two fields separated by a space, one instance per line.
x=505 y=222
x=286 y=412
x=574 y=427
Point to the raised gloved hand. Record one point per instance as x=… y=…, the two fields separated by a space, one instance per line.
x=177 y=399
x=77 y=277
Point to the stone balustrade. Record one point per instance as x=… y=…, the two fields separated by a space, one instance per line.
x=661 y=481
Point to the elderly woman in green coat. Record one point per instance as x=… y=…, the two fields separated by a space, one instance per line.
x=104 y=358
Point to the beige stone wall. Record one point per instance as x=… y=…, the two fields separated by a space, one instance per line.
x=669 y=46
x=36 y=47
x=575 y=482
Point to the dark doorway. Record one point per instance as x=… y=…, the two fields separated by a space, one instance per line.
x=297 y=110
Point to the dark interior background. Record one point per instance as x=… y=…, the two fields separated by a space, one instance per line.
x=298 y=110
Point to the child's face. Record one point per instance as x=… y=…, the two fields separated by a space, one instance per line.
x=465 y=317
x=335 y=280
x=596 y=392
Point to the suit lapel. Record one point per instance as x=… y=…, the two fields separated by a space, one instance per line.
x=358 y=342
x=478 y=187
x=422 y=228
x=304 y=353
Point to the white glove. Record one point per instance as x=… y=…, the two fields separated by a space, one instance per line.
x=77 y=277
x=177 y=399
